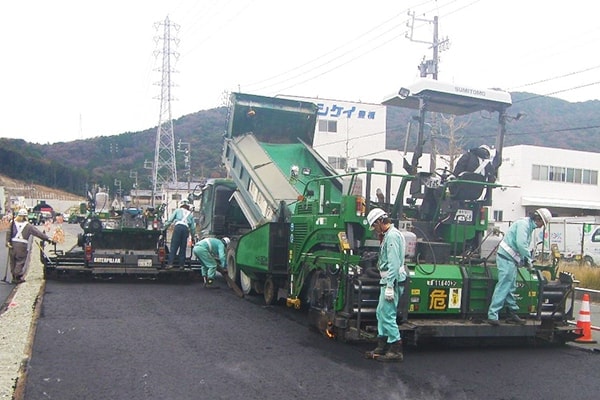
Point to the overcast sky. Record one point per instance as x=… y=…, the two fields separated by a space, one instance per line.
x=74 y=69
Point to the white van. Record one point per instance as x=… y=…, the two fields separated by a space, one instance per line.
x=577 y=238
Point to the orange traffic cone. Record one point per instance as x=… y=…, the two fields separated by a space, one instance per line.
x=584 y=321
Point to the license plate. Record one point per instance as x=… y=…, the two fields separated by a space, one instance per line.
x=464 y=216
x=144 y=262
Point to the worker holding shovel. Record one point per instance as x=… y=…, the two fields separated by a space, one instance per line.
x=17 y=241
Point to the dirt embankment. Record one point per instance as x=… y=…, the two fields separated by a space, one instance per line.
x=14 y=187
x=32 y=193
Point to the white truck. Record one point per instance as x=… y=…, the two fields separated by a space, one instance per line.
x=577 y=238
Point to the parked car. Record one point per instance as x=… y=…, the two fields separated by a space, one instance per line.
x=46 y=216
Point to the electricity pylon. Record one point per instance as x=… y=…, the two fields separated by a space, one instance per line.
x=164 y=169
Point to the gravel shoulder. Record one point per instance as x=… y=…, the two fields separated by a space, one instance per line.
x=17 y=324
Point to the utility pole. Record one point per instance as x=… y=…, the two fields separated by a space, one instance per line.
x=429 y=67
x=164 y=167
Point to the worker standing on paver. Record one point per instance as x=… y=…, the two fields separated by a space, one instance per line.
x=393 y=274
x=184 y=223
x=514 y=252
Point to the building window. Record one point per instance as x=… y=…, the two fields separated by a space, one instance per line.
x=498 y=215
x=586 y=176
x=328 y=126
x=564 y=174
x=570 y=175
x=535 y=172
x=361 y=163
x=543 y=173
x=337 y=162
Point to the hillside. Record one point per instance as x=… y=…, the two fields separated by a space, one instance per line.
x=72 y=166
x=15 y=187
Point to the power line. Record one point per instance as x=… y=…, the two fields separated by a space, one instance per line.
x=556 y=77
x=330 y=53
x=320 y=74
x=561 y=130
x=557 y=92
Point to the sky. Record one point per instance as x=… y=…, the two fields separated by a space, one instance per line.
x=75 y=69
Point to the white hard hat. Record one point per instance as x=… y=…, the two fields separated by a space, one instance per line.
x=486 y=148
x=544 y=215
x=226 y=241
x=184 y=203
x=374 y=215
x=22 y=213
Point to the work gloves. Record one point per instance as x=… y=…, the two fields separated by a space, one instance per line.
x=389 y=293
x=527 y=264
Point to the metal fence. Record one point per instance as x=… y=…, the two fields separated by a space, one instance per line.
x=594 y=298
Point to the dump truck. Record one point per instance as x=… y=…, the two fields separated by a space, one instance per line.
x=128 y=241
x=299 y=233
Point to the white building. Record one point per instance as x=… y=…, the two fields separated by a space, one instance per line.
x=347 y=134
x=564 y=181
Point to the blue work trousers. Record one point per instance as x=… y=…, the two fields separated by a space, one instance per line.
x=207 y=261
x=387 y=312
x=179 y=244
x=504 y=292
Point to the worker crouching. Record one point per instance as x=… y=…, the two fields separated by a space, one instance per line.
x=210 y=251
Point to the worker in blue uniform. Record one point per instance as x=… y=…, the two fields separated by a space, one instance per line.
x=514 y=251
x=210 y=250
x=391 y=269
x=184 y=226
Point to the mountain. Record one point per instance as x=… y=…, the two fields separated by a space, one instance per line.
x=548 y=122
x=72 y=166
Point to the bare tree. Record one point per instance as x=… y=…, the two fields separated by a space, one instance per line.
x=455 y=141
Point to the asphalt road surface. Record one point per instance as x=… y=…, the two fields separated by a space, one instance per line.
x=131 y=339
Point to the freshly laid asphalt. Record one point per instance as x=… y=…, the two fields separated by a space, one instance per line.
x=19 y=302
x=7 y=288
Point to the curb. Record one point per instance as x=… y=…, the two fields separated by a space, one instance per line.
x=18 y=321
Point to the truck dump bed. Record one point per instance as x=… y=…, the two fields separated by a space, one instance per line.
x=268 y=155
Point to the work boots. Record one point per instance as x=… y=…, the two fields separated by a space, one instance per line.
x=380 y=349
x=393 y=353
x=513 y=318
x=210 y=284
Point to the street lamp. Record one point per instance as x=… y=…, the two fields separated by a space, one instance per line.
x=134 y=175
x=31 y=190
x=118 y=184
x=184 y=147
x=150 y=165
